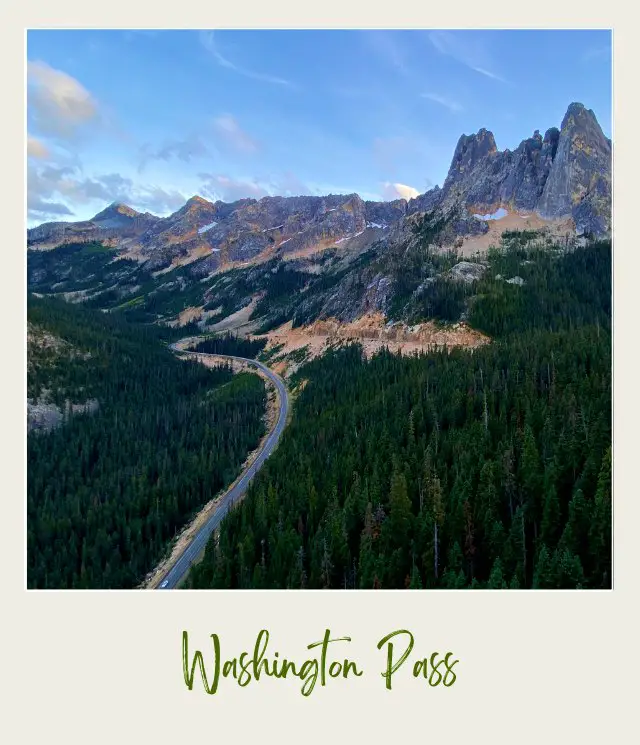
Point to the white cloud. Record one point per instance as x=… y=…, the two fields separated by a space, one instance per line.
x=448 y=103
x=398 y=191
x=41 y=209
x=37 y=149
x=59 y=105
x=230 y=131
x=156 y=199
x=208 y=42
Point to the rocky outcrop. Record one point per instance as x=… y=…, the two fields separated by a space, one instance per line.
x=45 y=416
x=383 y=214
x=467 y=272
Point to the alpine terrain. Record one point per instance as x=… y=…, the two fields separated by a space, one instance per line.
x=437 y=373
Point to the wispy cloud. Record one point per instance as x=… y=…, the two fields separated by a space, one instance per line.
x=387 y=48
x=489 y=74
x=186 y=150
x=208 y=41
x=448 y=103
x=597 y=54
x=223 y=133
x=229 y=189
x=462 y=47
x=229 y=130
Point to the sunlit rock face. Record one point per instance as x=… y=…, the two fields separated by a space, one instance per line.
x=566 y=173
x=579 y=181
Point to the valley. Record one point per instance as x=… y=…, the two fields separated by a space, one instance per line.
x=188 y=546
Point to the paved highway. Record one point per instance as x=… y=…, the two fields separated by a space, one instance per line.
x=179 y=570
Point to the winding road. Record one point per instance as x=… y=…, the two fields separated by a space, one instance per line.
x=178 y=571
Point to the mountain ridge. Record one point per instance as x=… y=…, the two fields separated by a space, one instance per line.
x=563 y=175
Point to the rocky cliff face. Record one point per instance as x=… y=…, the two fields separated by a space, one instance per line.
x=579 y=180
x=241 y=231
x=566 y=173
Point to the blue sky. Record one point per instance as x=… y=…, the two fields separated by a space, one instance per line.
x=153 y=117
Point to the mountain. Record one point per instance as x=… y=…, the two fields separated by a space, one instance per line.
x=249 y=229
x=352 y=257
x=463 y=440
x=114 y=226
x=565 y=175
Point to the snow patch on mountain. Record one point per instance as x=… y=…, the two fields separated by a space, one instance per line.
x=497 y=215
x=205 y=228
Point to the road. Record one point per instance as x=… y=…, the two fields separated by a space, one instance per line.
x=179 y=570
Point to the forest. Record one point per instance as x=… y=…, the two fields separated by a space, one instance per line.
x=450 y=469
x=107 y=491
x=231 y=345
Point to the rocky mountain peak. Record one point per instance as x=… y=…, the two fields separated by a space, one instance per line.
x=470 y=150
x=115 y=210
x=579 y=183
x=198 y=201
x=116 y=216
x=577 y=114
x=566 y=173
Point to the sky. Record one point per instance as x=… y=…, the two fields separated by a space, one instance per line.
x=151 y=117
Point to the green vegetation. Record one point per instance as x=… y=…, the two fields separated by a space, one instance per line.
x=450 y=469
x=279 y=287
x=110 y=283
x=74 y=267
x=562 y=290
x=299 y=355
x=107 y=492
x=231 y=345
x=441 y=300
x=271 y=354
x=421 y=262
x=521 y=237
